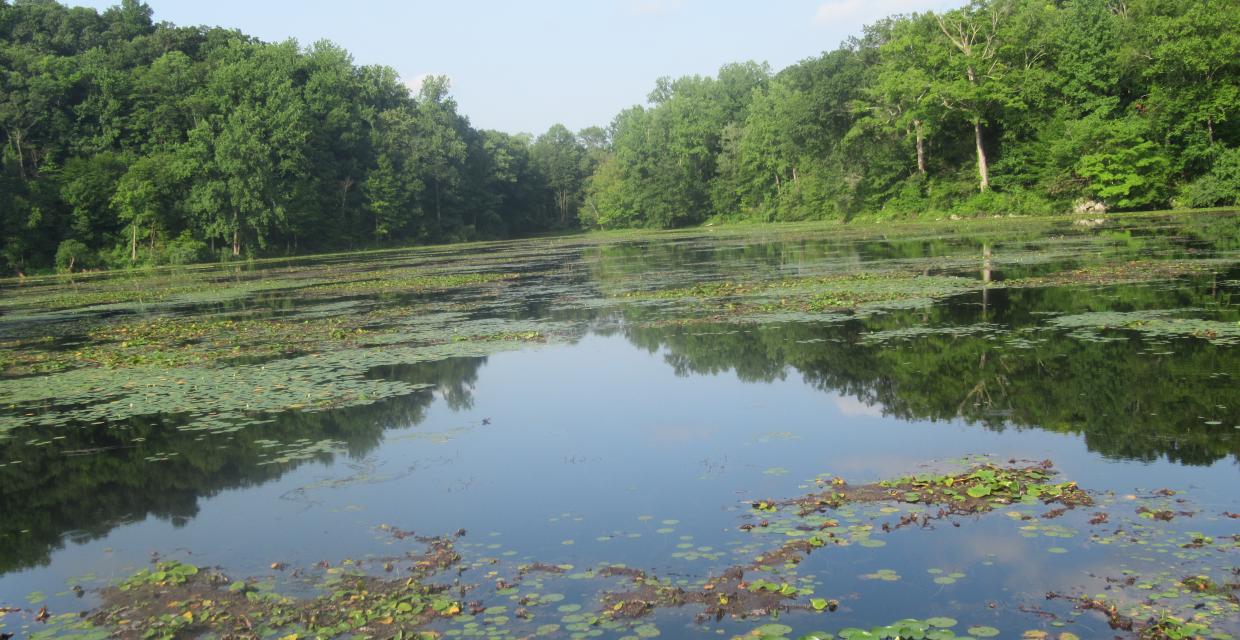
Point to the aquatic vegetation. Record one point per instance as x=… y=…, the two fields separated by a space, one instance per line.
x=737 y=593
x=213 y=399
x=935 y=628
x=177 y=599
x=53 y=298
x=170 y=573
x=178 y=340
x=816 y=294
x=915 y=333
x=401 y=595
x=181 y=386
x=1160 y=323
x=404 y=281
x=1112 y=273
x=979 y=489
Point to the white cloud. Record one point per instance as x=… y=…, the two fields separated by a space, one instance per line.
x=415 y=83
x=653 y=7
x=850 y=406
x=853 y=14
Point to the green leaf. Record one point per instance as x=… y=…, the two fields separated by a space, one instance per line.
x=776 y=630
x=979 y=491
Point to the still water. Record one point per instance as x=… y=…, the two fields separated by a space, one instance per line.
x=648 y=418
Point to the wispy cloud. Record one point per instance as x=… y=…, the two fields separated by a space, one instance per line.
x=415 y=83
x=850 y=406
x=653 y=7
x=853 y=14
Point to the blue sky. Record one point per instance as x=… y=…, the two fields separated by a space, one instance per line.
x=525 y=65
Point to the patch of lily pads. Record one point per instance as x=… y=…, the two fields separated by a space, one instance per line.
x=410 y=596
x=1155 y=324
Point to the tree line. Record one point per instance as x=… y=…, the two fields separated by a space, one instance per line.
x=125 y=142
x=1000 y=106
x=128 y=142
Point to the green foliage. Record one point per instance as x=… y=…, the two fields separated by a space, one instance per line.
x=72 y=254
x=186 y=249
x=665 y=157
x=169 y=573
x=1000 y=484
x=150 y=144
x=1016 y=201
x=1127 y=169
x=998 y=107
x=145 y=141
x=560 y=157
x=908 y=629
x=1220 y=186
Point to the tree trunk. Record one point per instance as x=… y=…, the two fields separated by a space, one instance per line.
x=133 y=244
x=983 y=170
x=1210 y=130
x=597 y=214
x=345 y=185
x=15 y=137
x=236 y=244
x=921 y=147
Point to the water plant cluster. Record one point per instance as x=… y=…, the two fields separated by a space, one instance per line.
x=449 y=587
x=178 y=600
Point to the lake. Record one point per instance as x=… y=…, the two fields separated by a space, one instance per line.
x=1002 y=427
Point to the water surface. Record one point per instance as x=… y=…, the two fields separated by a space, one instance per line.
x=592 y=402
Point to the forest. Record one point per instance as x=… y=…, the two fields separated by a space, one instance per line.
x=130 y=142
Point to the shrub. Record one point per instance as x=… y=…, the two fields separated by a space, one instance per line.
x=1126 y=170
x=1004 y=202
x=1219 y=187
x=186 y=249
x=74 y=255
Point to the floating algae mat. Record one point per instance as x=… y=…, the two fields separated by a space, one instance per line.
x=992 y=428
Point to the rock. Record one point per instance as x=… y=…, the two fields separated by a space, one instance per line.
x=1085 y=205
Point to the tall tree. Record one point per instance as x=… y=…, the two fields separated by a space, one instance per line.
x=438 y=147
x=901 y=97
x=1189 y=51
x=560 y=157
x=969 y=73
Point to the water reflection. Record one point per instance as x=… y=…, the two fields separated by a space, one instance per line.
x=1001 y=369
x=88 y=480
x=986 y=358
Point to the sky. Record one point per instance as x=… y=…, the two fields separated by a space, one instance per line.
x=524 y=65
